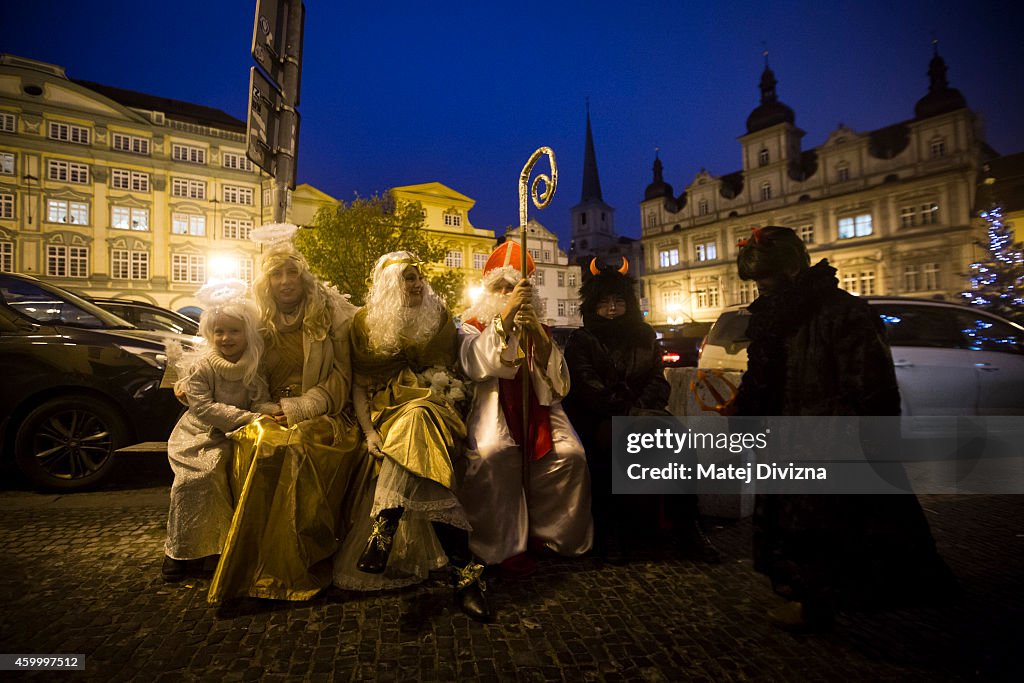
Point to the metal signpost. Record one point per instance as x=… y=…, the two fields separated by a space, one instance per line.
x=272 y=130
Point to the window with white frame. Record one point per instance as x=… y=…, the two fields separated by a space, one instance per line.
x=67 y=171
x=705 y=251
x=651 y=219
x=236 y=160
x=190 y=154
x=6 y=257
x=668 y=257
x=574 y=307
x=937 y=148
x=452 y=219
x=237 y=195
x=68 y=132
x=766 y=190
x=744 y=291
x=188 y=224
x=8 y=122
x=534 y=254
x=237 y=228
x=763 y=157
x=703 y=208
x=806 y=233
x=188 y=187
x=929 y=213
x=850 y=282
x=855 y=226
x=547 y=256
x=479 y=261
x=706 y=292
x=842 y=173
x=671 y=299
x=129 y=264
x=123 y=179
x=188 y=268
x=561 y=307
x=67 y=261
x=538 y=276
x=129 y=218
x=911 y=273
x=570 y=278
x=133 y=144
x=908 y=216
x=246 y=271
x=7 y=205
x=7 y=164
x=561 y=278
x=866 y=286
x=453 y=259
x=64 y=211
x=932 y=279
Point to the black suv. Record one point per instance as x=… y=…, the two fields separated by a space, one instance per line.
x=79 y=383
x=149 y=316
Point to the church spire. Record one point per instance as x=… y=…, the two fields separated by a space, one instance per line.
x=591 y=181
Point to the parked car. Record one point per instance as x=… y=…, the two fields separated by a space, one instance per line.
x=680 y=344
x=79 y=383
x=149 y=316
x=950 y=359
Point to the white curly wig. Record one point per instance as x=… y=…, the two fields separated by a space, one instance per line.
x=389 y=318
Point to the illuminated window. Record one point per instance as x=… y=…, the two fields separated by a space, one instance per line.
x=63 y=211
x=7 y=165
x=706 y=251
x=188 y=224
x=7 y=205
x=668 y=257
x=855 y=226
x=129 y=218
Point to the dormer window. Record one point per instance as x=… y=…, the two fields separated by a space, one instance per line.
x=452 y=219
x=938 y=148
x=766 y=191
x=703 y=209
x=763 y=157
x=842 y=172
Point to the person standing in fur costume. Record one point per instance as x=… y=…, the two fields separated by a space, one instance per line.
x=616 y=369
x=552 y=512
x=818 y=350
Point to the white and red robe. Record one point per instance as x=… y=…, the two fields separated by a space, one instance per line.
x=556 y=509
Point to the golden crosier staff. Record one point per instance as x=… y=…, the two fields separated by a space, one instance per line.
x=540 y=200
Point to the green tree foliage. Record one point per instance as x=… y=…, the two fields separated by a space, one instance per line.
x=347 y=240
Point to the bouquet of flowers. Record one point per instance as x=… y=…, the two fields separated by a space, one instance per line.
x=445 y=385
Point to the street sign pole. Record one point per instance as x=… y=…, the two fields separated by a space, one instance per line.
x=288 y=138
x=273 y=123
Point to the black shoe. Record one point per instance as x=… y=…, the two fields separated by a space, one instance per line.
x=469 y=593
x=695 y=545
x=374 y=559
x=173 y=570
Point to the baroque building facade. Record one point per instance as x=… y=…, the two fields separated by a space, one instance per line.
x=116 y=193
x=892 y=209
x=556 y=279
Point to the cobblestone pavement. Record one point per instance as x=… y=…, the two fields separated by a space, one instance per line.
x=80 y=574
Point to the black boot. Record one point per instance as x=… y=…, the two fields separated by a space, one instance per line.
x=173 y=570
x=695 y=545
x=374 y=559
x=469 y=592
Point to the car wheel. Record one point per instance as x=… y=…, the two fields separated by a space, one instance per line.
x=68 y=443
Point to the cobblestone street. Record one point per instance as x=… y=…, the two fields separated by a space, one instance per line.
x=80 y=575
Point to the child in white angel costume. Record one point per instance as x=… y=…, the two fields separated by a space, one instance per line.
x=225 y=391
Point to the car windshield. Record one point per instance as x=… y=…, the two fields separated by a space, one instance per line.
x=730 y=329
x=45 y=304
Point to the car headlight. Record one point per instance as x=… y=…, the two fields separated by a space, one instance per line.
x=158 y=359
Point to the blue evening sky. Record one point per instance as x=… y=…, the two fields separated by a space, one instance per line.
x=398 y=93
